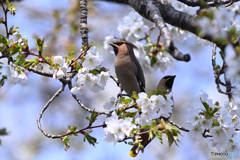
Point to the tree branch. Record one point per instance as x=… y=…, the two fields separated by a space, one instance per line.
x=82 y=105
x=45 y=108
x=81 y=55
x=206 y=4
x=70 y=133
x=218 y=72
x=150 y=10
x=178 y=126
x=114 y=78
x=83 y=22
x=46 y=74
x=5 y=15
x=160 y=13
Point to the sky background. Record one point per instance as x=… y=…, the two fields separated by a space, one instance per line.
x=21 y=104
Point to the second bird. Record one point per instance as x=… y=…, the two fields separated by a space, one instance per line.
x=127 y=68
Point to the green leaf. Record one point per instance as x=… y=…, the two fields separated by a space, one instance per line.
x=158 y=91
x=31 y=62
x=158 y=134
x=71 y=54
x=215 y=123
x=91 y=140
x=131 y=143
x=215 y=110
x=40 y=44
x=154 y=123
x=151 y=133
x=130 y=114
x=3 y=132
x=135 y=131
x=206 y=106
x=28 y=64
x=20 y=60
x=172 y=133
x=95 y=72
x=169 y=137
x=145 y=127
x=134 y=96
x=7 y=3
x=93 y=117
x=13 y=30
x=126 y=100
x=66 y=143
x=72 y=129
x=153 y=60
x=4 y=40
x=2 y=80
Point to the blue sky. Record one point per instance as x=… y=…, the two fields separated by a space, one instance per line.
x=21 y=104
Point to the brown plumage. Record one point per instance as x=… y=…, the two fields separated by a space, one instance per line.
x=127 y=68
x=165 y=84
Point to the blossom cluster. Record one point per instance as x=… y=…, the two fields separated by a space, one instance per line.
x=149 y=108
x=58 y=69
x=218 y=124
x=151 y=56
x=216 y=21
x=216 y=24
x=90 y=75
x=14 y=74
x=117 y=128
x=184 y=8
x=61 y=71
x=232 y=59
x=153 y=107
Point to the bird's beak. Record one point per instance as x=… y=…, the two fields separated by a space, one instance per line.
x=172 y=77
x=112 y=44
x=115 y=47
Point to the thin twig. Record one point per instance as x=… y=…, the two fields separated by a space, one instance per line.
x=113 y=77
x=82 y=105
x=218 y=72
x=81 y=55
x=205 y=135
x=158 y=39
x=5 y=14
x=46 y=74
x=124 y=140
x=178 y=126
x=40 y=57
x=44 y=109
x=74 y=132
x=149 y=33
x=86 y=108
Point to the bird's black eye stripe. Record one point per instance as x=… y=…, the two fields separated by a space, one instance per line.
x=169 y=83
x=119 y=43
x=115 y=50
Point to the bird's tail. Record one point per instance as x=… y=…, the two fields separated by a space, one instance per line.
x=144 y=140
x=132 y=152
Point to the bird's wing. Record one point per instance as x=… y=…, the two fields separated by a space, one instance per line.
x=139 y=74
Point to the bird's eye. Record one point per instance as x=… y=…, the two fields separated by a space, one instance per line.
x=119 y=43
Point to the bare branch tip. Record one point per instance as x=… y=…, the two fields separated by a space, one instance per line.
x=186 y=58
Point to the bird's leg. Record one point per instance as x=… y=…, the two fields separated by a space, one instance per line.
x=120 y=93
